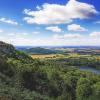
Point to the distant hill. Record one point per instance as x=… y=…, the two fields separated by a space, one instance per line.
x=40 y=50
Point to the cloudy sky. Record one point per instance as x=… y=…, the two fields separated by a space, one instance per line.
x=50 y=22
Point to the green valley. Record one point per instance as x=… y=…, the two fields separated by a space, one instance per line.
x=24 y=78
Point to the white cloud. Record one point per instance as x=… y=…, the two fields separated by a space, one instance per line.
x=57 y=40
x=95 y=35
x=21 y=34
x=77 y=39
x=38 y=8
x=1 y=30
x=67 y=39
x=67 y=36
x=97 y=22
x=58 y=14
x=76 y=27
x=8 y=21
x=72 y=36
x=17 y=35
x=54 y=29
x=35 y=33
x=11 y=34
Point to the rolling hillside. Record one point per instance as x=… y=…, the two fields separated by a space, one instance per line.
x=22 y=78
x=40 y=50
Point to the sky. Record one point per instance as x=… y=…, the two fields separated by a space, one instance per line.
x=50 y=22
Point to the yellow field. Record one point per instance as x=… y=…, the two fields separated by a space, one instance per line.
x=54 y=56
x=47 y=56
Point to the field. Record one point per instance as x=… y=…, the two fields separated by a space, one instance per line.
x=47 y=56
x=54 y=56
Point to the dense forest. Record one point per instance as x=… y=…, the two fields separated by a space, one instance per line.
x=24 y=78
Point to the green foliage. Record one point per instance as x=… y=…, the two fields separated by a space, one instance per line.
x=39 y=50
x=91 y=61
x=83 y=89
x=95 y=91
x=22 y=78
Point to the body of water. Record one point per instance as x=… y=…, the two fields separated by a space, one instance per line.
x=90 y=69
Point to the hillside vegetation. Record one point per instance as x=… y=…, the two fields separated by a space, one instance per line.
x=40 y=50
x=24 y=78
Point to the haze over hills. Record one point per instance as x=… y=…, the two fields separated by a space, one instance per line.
x=39 y=50
x=59 y=49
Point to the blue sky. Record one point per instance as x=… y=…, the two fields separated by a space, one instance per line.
x=50 y=22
